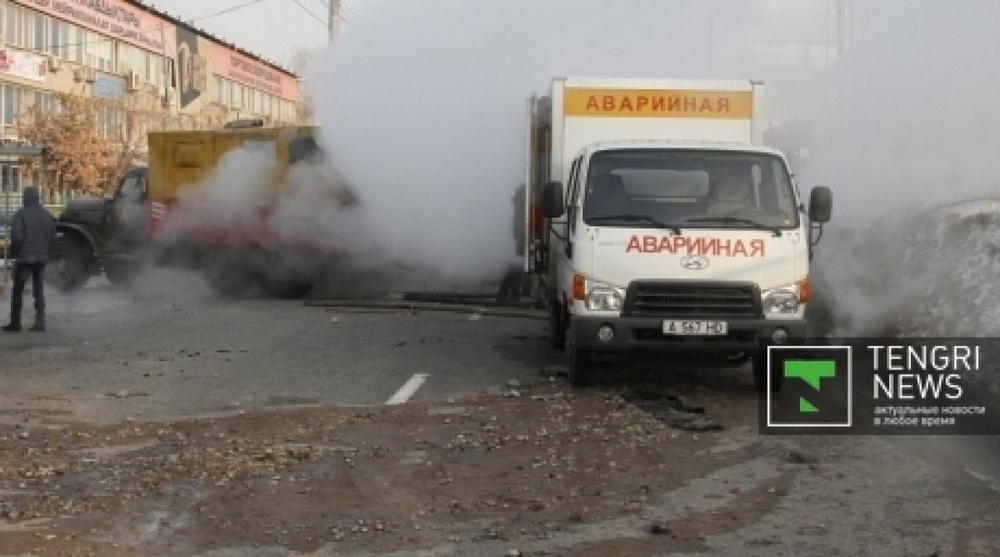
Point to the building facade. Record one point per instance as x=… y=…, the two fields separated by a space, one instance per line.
x=155 y=71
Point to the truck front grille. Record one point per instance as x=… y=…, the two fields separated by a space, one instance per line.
x=694 y=300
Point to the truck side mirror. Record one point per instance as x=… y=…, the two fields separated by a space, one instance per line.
x=820 y=204
x=552 y=199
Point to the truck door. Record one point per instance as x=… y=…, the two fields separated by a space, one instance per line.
x=129 y=226
x=561 y=233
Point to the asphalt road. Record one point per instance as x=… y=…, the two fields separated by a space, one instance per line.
x=170 y=349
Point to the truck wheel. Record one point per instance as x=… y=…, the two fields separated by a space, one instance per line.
x=66 y=270
x=286 y=275
x=118 y=273
x=285 y=287
x=557 y=327
x=226 y=276
x=760 y=376
x=580 y=366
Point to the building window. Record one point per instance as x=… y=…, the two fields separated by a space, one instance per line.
x=77 y=45
x=11 y=176
x=11 y=105
x=108 y=122
x=217 y=86
x=166 y=71
x=12 y=24
x=58 y=40
x=147 y=66
x=41 y=26
x=27 y=29
x=102 y=50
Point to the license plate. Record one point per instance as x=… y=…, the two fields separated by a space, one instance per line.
x=695 y=328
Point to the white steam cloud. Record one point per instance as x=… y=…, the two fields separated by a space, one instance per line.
x=911 y=119
x=422 y=104
x=249 y=193
x=421 y=109
x=907 y=140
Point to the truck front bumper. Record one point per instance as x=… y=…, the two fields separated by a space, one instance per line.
x=645 y=335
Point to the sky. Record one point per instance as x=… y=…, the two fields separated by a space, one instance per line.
x=421 y=103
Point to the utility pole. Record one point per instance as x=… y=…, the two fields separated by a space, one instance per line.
x=333 y=23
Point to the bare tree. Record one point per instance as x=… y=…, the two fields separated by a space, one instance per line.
x=80 y=156
x=142 y=113
x=300 y=60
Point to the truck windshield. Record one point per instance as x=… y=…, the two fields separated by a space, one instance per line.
x=689 y=189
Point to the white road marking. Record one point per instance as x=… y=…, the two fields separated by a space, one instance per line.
x=406 y=391
x=990 y=482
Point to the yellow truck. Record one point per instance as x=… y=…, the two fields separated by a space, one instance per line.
x=215 y=200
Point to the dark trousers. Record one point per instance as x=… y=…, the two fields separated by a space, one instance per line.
x=21 y=273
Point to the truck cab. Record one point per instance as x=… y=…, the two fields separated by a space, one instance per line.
x=101 y=234
x=677 y=248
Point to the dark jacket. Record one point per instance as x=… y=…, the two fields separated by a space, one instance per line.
x=32 y=230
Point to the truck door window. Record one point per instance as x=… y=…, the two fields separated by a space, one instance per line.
x=133 y=187
x=784 y=199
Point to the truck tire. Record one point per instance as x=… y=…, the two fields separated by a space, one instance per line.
x=226 y=274
x=285 y=287
x=509 y=291
x=66 y=270
x=581 y=365
x=760 y=376
x=285 y=275
x=557 y=326
x=118 y=273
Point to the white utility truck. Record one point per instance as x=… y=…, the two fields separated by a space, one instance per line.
x=655 y=222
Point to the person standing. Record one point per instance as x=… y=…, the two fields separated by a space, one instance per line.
x=31 y=233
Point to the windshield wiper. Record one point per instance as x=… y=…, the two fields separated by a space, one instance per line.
x=737 y=220
x=642 y=219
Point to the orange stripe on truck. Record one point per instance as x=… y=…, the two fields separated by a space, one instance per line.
x=651 y=103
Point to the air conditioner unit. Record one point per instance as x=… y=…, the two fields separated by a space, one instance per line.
x=91 y=75
x=79 y=74
x=132 y=81
x=53 y=63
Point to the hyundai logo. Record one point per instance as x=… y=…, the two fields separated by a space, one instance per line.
x=694 y=262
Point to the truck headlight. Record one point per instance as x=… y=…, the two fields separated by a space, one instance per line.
x=604 y=297
x=783 y=300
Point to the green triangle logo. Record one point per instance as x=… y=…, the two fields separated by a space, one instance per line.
x=805 y=407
